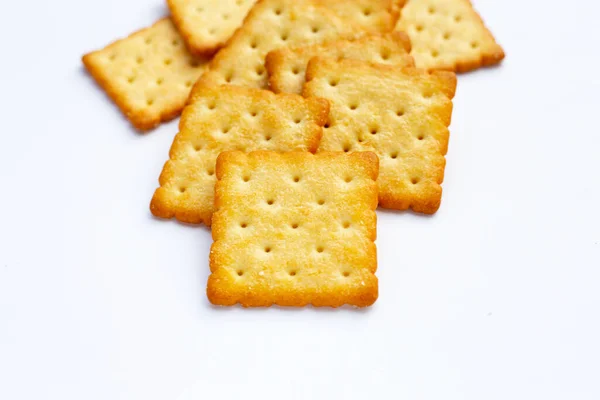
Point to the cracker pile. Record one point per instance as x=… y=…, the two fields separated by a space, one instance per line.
x=299 y=118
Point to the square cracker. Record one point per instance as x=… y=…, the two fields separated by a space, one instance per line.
x=148 y=75
x=207 y=24
x=294 y=229
x=287 y=66
x=400 y=114
x=448 y=35
x=230 y=118
x=278 y=23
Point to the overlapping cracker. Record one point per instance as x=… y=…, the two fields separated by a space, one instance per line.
x=400 y=114
x=448 y=35
x=207 y=24
x=294 y=229
x=287 y=66
x=230 y=118
x=271 y=24
x=148 y=75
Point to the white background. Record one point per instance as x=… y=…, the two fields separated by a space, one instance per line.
x=495 y=297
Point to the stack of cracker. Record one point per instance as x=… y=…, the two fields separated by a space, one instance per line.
x=299 y=118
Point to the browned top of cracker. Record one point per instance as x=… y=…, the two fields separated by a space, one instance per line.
x=448 y=35
x=294 y=229
x=148 y=75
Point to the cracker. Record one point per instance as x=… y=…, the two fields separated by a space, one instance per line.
x=400 y=114
x=287 y=66
x=294 y=229
x=448 y=35
x=278 y=23
x=148 y=75
x=230 y=118
x=207 y=24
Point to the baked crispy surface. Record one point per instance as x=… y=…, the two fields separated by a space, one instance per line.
x=287 y=66
x=448 y=35
x=148 y=75
x=294 y=229
x=207 y=24
x=230 y=118
x=400 y=114
x=272 y=24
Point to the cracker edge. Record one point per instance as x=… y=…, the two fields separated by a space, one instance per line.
x=449 y=80
x=276 y=58
x=364 y=298
x=140 y=120
x=159 y=207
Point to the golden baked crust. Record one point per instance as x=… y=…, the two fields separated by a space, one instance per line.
x=287 y=66
x=272 y=24
x=448 y=35
x=294 y=229
x=206 y=25
x=400 y=114
x=230 y=118
x=148 y=75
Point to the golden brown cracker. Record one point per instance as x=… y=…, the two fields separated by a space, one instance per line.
x=294 y=229
x=148 y=75
x=272 y=24
x=287 y=66
x=206 y=25
x=400 y=114
x=448 y=35
x=230 y=118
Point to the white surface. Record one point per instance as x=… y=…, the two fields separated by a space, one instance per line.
x=494 y=297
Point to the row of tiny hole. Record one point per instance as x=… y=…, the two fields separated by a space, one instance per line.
x=167 y=61
x=445 y=36
x=333 y=82
x=372 y=131
x=159 y=81
x=296 y=225
x=240 y=272
x=296 y=179
x=212 y=106
x=431 y=11
x=366 y=11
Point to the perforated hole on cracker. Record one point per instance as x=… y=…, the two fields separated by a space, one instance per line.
x=272 y=24
x=286 y=66
x=400 y=114
x=148 y=75
x=230 y=118
x=448 y=35
x=300 y=231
